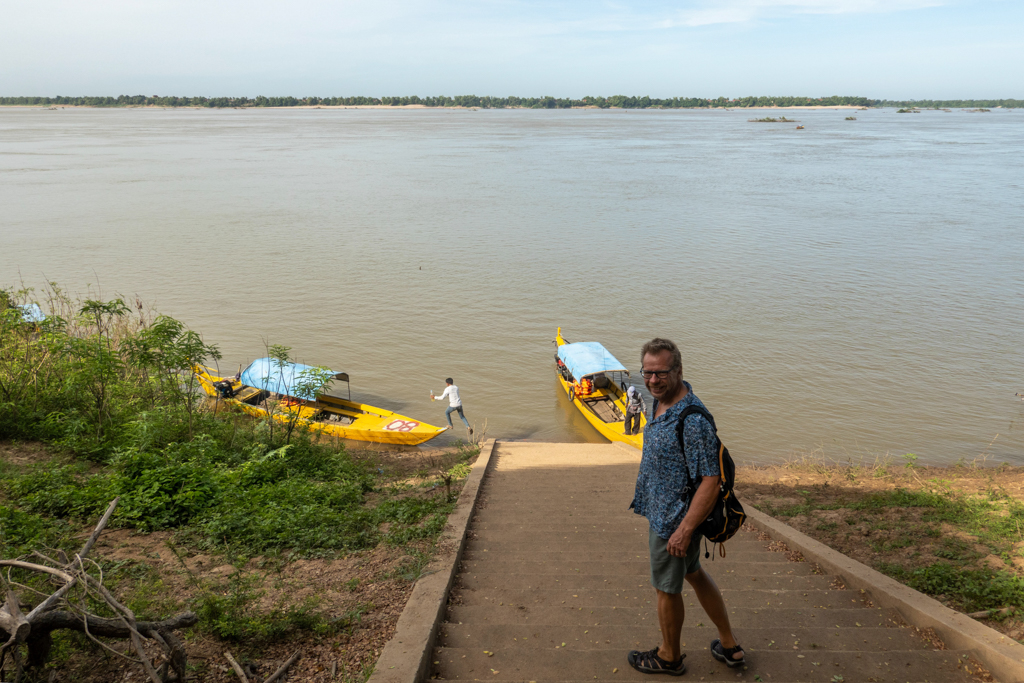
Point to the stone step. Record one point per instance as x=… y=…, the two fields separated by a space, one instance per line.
x=555 y=556
x=740 y=617
x=599 y=555
x=611 y=597
x=526 y=544
x=524 y=494
x=550 y=664
x=570 y=516
x=576 y=582
x=604 y=520
x=636 y=568
x=524 y=538
x=805 y=640
x=530 y=509
x=628 y=520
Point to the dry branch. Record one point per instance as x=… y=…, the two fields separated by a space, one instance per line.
x=284 y=667
x=989 y=613
x=110 y=628
x=34 y=630
x=238 y=669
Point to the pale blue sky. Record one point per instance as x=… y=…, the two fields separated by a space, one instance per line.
x=704 y=48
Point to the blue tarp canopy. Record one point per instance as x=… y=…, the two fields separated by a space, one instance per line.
x=588 y=358
x=31 y=313
x=270 y=374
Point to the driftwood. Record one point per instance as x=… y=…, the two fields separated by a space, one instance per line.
x=991 y=613
x=237 y=667
x=33 y=630
x=284 y=667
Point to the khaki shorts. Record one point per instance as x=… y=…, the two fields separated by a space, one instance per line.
x=668 y=571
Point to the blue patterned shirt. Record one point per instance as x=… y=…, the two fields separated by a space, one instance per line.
x=663 y=486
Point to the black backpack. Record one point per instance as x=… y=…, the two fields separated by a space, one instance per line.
x=727 y=515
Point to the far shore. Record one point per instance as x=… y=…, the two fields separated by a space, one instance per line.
x=422 y=106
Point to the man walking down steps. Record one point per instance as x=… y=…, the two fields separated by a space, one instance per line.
x=675 y=504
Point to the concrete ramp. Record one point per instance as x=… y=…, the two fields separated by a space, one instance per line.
x=554 y=586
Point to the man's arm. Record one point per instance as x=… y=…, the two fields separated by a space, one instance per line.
x=703 y=500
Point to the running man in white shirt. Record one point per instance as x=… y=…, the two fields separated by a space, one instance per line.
x=454 y=403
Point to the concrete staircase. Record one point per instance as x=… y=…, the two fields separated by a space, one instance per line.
x=554 y=586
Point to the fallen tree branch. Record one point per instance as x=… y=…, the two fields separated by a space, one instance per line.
x=59 y=610
x=100 y=526
x=36 y=568
x=109 y=628
x=51 y=601
x=12 y=622
x=238 y=669
x=284 y=667
x=991 y=613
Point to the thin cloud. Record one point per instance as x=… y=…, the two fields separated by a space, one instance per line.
x=739 y=11
x=530 y=17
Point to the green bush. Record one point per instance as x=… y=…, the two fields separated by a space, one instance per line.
x=973 y=589
x=293 y=513
x=232 y=613
x=159 y=491
x=62 y=491
x=22 y=532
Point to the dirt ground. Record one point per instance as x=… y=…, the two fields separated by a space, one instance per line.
x=906 y=537
x=368 y=588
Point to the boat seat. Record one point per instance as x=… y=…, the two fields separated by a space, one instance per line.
x=245 y=393
x=605 y=409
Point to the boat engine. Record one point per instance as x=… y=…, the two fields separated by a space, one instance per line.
x=224 y=388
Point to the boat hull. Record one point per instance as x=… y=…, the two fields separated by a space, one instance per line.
x=367 y=423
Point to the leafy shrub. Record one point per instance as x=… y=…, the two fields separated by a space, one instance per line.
x=406 y=518
x=56 y=490
x=232 y=613
x=974 y=589
x=162 y=490
x=22 y=532
x=293 y=513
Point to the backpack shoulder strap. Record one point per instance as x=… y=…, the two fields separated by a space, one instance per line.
x=690 y=410
x=687 y=411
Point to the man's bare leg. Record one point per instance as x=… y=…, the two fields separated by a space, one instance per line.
x=710 y=598
x=671 y=612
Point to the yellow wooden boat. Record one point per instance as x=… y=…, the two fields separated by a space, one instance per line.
x=268 y=387
x=594 y=381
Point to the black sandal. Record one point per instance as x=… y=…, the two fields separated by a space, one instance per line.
x=650 y=663
x=719 y=652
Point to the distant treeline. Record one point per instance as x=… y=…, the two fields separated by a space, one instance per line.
x=951 y=104
x=487 y=102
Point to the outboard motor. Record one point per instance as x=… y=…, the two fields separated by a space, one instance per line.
x=224 y=388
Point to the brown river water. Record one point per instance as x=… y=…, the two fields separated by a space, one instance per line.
x=853 y=289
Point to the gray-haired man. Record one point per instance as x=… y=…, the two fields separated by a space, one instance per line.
x=675 y=503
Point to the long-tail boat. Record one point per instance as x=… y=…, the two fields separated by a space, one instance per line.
x=286 y=392
x=595 y=382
